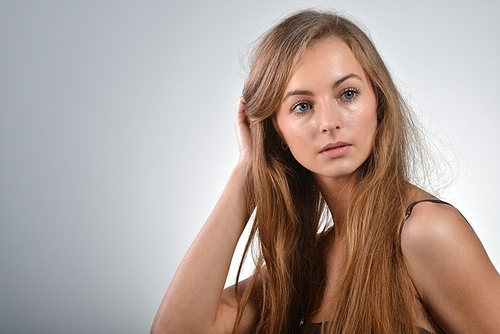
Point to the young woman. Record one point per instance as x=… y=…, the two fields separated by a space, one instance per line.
x=322 y=129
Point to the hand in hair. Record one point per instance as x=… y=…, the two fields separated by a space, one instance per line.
x=243 y=133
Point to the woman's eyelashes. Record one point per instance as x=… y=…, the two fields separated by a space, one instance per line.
x=301 y=107
x=349 y=94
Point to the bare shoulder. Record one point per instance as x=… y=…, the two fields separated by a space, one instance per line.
x=450 y=269
x=433 y=225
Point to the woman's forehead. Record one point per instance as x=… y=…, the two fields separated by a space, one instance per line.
x=329 y=56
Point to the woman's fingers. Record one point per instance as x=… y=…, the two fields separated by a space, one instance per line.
x=243 y=131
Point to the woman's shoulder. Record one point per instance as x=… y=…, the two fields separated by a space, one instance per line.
x=432 y=220
x=450 y=268
x=435 y=231
x=429 y=220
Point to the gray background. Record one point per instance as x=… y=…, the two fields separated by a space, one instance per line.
x=116 y=137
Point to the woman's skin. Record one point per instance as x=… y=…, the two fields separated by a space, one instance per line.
x=451 y=270
x=328 y=120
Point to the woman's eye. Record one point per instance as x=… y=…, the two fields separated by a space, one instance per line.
x=301 y=107
x=349 y=95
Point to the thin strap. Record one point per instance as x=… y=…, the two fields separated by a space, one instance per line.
x=410 y=207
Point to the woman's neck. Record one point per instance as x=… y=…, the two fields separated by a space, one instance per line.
x=338 y=195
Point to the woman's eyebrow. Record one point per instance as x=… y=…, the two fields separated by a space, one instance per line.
x=344 y=78
x=298 y=92
x=309 y=93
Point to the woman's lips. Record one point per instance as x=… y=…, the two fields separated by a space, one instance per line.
x=335 y=150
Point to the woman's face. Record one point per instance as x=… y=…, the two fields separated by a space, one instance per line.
x=327 y=116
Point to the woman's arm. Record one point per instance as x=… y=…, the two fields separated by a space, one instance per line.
x=451 y=270
x=195 y=301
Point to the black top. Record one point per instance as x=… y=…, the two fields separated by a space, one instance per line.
x=315 y=328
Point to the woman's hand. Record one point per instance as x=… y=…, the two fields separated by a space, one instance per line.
x=242 y=128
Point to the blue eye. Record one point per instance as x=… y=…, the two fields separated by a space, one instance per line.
x=349 y=94
x=301 y=107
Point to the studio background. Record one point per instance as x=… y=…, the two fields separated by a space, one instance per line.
x=116 y=137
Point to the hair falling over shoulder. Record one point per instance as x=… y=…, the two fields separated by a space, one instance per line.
x=374 y=294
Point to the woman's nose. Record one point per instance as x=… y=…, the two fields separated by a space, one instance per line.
x=329 y=118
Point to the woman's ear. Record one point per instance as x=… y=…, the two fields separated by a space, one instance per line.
x=380 y=108
x=281 y=139
x=277 y=129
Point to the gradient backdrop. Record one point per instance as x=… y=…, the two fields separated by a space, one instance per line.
x=116 y=137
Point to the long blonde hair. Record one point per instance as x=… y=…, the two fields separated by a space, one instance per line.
x=374 y=294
